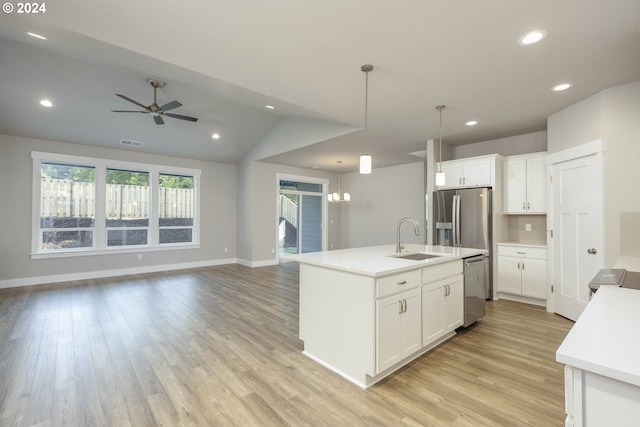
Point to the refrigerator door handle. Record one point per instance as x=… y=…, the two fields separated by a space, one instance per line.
x=454 y=219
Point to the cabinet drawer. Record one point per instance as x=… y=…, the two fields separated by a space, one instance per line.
x=522 y=252
x=397 y=283
x=441 y=271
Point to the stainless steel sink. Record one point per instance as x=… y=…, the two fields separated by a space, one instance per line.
x=417 y=256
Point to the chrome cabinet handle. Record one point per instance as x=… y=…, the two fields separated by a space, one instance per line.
x=523 y=265
x=523 y=207
x=405 y=305
x=592 y=251
x=528 y=206
x=518 y=266
x=402 y=282
x=400 y=312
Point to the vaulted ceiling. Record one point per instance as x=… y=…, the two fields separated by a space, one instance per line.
x=225 y=61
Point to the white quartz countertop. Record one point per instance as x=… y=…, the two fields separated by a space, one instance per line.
x=380 y=260
x=605 y=338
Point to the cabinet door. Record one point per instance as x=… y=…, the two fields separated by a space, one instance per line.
x=536 y=185
x=476 y=172
x=432 y=312
x=509 y=276
x=388 y=332
x=411 y=326
x=515 y=186
x=397 y=328
x=534 y=278
x=454 y=304
x=452 y=173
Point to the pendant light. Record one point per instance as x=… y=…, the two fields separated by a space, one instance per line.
x=339 y=197
x=440 y=177
x=365 y=159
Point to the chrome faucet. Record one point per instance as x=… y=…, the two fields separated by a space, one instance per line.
x=399 y=246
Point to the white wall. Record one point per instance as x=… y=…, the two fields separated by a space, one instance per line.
x=614 y=116
x=378 y=201
x=511 y=146
x=217 y=210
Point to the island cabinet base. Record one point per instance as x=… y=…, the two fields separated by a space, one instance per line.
x=596 y=400
x=365 y=380
x=366 y=327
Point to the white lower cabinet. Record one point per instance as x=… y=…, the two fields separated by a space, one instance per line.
x=397 y=327
x=442 y=308
x=522 y=271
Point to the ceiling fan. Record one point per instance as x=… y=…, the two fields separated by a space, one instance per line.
x=154 y=109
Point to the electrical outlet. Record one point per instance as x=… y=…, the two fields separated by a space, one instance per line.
x=139 y=257
x=226 y=250
x=527 y=227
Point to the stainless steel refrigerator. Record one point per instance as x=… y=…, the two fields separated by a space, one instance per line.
x=464 y=218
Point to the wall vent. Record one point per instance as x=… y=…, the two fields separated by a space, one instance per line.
x=131 y=143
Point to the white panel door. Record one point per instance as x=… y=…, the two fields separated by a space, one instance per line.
x=578 y=239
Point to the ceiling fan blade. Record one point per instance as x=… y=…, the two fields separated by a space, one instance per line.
x=158 y=120
x=132 y=101
x=170 y=105
x=129 y=111
x=178 y=116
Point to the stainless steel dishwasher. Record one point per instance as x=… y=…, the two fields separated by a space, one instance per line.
x=476 y=276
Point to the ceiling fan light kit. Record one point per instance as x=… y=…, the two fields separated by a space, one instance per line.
x=154 y=109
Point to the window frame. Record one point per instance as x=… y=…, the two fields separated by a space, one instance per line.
x=100 y=229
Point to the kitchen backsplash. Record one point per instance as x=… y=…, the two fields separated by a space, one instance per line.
x=517 y=231
x=630 y=234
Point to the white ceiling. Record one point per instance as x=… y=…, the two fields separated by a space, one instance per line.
x=225 y=60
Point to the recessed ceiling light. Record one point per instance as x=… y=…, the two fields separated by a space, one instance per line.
x=471 y=123
x=270 y=107
x=215 y=136
x=37 y=36
x=532 y=37
x=46 y=103
x=561 y=87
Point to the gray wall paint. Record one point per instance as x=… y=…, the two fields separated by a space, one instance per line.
x=612 y=115
x=217 y=209
x=511 y=146
x=378 y=201
x=260 y=207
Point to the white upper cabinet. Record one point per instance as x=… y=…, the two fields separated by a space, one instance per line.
x=525 y=184
x=471 y=172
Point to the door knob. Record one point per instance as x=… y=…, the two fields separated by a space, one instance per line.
x=592 y=251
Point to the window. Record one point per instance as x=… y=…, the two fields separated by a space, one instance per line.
x=127 y=208
x=67 y=212
x=85 y=206
x=300 y=216
x=176 y=208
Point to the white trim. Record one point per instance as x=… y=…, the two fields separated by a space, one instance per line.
x=114 y=250
x=40 y=280
x=325 y=210
x=572 y=153
x=253 y=264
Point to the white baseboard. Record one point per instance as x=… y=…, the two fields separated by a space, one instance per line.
x=57 y=278
x=252 y=264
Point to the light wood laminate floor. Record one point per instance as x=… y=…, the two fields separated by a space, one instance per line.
x=219 y=347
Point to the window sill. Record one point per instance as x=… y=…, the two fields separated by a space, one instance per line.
x=115 y=251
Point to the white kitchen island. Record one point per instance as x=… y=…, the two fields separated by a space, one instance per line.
x=602 y=358
x=365 y=313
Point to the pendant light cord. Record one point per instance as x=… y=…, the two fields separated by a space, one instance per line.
x=366 y=108
x=440 y=108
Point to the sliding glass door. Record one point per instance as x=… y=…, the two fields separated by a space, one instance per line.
x=300 y=217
